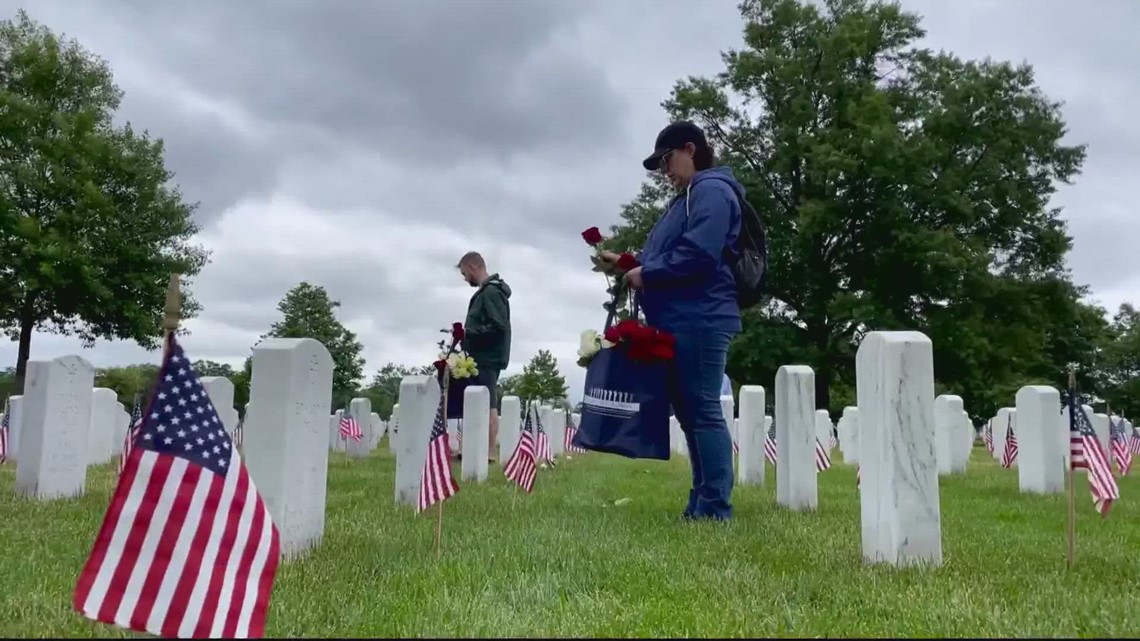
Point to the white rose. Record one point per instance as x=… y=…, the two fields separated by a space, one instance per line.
x=589 y=344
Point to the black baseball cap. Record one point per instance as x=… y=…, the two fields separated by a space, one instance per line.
x=674 y=136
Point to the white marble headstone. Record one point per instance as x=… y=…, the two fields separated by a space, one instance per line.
x=221 y=392
x=361 y=408
x=947 y=428
x=476 y=433
x=285 y=442
x=419 y=403
x=337 y=442
x=899 y=500
x=963 y=442
x=850 y=435
x=555 y=425
x=56 y=422
x=378 y=429
x=1100 y=426
x=795 y=438
x=510 y=418
x=122 y=424
x=101 y=432
x=750 y=466
x=1040 y=468
x=678 y=435
x=393 y=428
x=728 y=411
x=15 y=419
x=1006 y=417
x=823 y=429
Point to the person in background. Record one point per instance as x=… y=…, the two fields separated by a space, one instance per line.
x=686 y=288
x=487 y=331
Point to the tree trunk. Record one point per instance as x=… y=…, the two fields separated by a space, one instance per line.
x=823 y=387
x=27 y=324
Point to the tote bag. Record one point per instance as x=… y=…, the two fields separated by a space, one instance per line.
x=625 y=405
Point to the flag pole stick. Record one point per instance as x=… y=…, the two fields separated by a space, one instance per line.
x=1072 y=524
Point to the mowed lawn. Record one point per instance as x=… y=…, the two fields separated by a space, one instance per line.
x=577 y=558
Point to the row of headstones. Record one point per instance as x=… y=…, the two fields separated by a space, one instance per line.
x=750 y=458
x=892 y=433
x=1041 y=428
x=62 y=425
x=288 y=434
x=419 y=400
x=954 y=435
x=287 y=437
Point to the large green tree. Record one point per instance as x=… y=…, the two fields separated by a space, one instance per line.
x=90 y=226
x=1119 y=367
x=308 y=312
x=541 y=381
x=902 y=188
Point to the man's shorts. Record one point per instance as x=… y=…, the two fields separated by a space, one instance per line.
x=489 y=378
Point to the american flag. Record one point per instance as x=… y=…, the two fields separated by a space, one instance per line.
x=822 y=460
x=988 y=436
x=187 y=547
x=543 y=449
x=350 y=427
x=735 y=447
x=858 y=474
x=571 y=431
x=5 y=425
x=521 y=467
x=1120 y=446
x=834 y=442
x=770 y=444
x=1009 y=454
x=132 y=432
x=459 y=434
x=1086 y=453
x=436 y=482
x=1134 y=443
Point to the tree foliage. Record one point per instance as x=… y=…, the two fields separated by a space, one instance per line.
x=902 y=189
x=90 y=226
x=384 y=390
x=541 y=381
x=308 y=312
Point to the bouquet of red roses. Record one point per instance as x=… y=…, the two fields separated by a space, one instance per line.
x=643 y=343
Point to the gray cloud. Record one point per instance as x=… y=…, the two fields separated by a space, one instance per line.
x=424 y=81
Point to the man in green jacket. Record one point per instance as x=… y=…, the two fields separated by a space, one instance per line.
x=488 y=331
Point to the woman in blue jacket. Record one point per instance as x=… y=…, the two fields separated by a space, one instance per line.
x=687 y=289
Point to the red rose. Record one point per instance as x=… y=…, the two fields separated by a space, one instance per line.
x=626 y=262
x=627 y=329
x=440 y=365
x=611 y=334
x=592 y=236
x=457 y=332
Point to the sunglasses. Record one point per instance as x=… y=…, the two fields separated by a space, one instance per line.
x=663 y=163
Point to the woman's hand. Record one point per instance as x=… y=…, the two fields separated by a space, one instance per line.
x=633 y=277
x=609 y=257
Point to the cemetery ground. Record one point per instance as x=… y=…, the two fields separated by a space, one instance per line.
x=576 y=559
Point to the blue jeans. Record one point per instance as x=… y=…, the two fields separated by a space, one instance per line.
x=694 y=391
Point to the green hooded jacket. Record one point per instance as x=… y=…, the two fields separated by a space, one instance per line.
x=488 y=325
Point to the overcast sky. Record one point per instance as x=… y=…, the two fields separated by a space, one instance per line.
x=365 y=146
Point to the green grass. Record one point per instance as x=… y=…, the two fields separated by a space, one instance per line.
x=567 y=561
